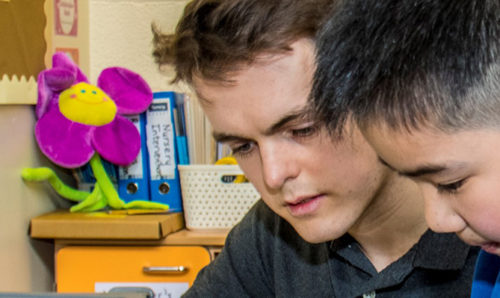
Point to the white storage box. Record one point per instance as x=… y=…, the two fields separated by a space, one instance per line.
x=211 y=201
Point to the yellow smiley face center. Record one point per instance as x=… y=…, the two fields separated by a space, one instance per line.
x=87 y=104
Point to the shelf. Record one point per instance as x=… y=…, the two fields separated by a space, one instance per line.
x=182 y=237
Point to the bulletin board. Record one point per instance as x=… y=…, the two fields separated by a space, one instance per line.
x=30 y=32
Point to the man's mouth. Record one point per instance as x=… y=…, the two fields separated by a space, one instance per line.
x=303 y=206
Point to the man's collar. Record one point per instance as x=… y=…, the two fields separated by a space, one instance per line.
x=433 y=250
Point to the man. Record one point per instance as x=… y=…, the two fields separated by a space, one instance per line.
x=424 y=85
x=333 y=221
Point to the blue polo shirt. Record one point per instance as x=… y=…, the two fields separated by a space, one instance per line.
x=487 y=276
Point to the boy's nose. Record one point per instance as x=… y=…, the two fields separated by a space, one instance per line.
x=439 y=214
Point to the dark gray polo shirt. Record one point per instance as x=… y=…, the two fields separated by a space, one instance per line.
x=265 y=257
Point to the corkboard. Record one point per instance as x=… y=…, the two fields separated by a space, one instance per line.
x=23 y=47
x=29 y=37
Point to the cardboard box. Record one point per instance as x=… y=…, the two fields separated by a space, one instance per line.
x=130 y=225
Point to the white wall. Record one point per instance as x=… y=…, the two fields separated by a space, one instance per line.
x=25 y=264
x=120 y=35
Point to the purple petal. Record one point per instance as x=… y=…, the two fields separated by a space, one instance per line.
x=59 y=79
x=64 y=142
x=63 y=74
x=44 y=95
x=62 y=60
x=128 y=90
x=50 y=84
x=118 y=142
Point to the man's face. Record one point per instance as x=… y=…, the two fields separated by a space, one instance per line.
x=458 y=173
x=321 y=187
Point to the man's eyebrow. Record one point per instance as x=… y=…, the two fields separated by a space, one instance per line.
x=279 y=124
x=302 y=113
x=420 y=171
x=223 y=137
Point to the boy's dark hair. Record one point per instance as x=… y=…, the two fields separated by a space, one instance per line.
x=409 y=63
x=216 y=37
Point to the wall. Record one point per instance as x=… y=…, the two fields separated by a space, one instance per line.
x=119 y=35
x=26 y=264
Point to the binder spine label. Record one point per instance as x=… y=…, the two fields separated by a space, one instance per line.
x=160 y=142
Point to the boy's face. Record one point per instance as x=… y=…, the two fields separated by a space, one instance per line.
x=321 y=187
x=458 y=173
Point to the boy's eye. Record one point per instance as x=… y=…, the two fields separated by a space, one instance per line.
x=451 y=187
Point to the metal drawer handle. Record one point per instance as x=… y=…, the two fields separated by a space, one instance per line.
x=164 y=269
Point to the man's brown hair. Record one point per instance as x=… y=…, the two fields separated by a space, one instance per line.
x=215 y=37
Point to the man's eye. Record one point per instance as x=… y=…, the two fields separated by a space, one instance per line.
x=242 y=150
x=304 y=132
x=451 y=187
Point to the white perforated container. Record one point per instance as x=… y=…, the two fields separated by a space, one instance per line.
x=208 y=202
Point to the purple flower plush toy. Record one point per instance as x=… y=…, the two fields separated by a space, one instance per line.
x=78 y=122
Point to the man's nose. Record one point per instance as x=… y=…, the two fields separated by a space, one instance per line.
x=279 y=164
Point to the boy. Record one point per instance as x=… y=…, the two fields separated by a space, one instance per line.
x=422 y=79
x=332 y=221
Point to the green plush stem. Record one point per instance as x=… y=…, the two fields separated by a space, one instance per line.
x=43 y=173
x=105 y=183
x=138 y=204
x=94 y=201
